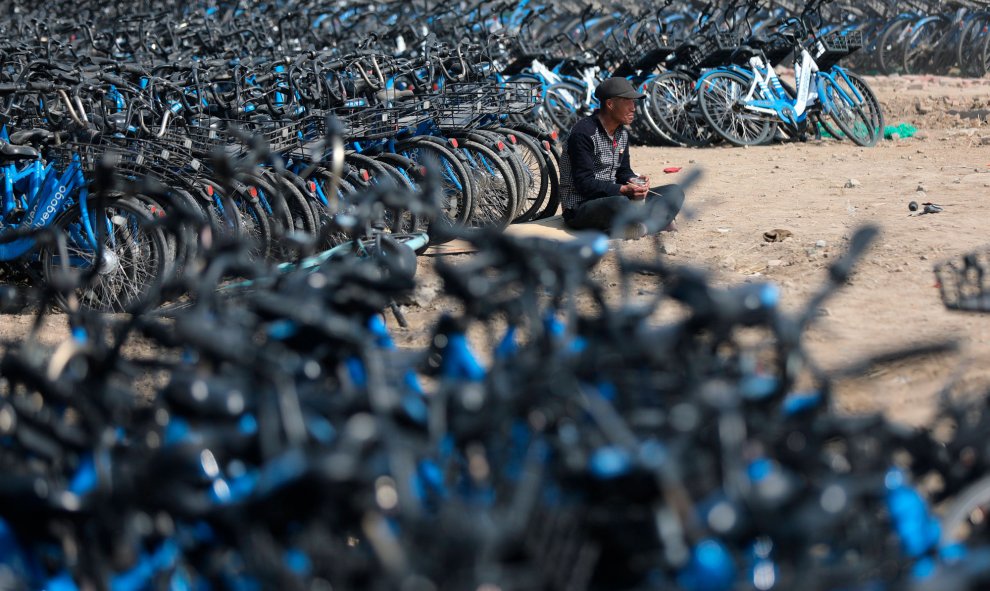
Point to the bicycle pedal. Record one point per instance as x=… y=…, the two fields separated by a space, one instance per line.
x=16 y=215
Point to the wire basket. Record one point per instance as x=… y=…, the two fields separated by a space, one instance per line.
x=459 y=106
x=520 y=96
x=143 y=157
x=378 y=122
x=708 y=53
x=717 y=49
x=854 y=40
x=829 y=49
x=964 y=282
x=687 y=54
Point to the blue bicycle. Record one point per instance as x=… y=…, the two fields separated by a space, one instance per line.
x=745 y=103
x=110 y=239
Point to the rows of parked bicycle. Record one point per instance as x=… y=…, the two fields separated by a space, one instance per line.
x=484 y=90
x=327 y=102
x=272 y=436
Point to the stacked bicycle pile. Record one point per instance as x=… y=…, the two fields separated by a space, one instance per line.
x=482 y=92
x=166 y=108
x=275 y=437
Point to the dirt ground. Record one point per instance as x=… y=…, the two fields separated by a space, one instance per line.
x=821 y=191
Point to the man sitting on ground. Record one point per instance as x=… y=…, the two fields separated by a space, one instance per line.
x=596 y=180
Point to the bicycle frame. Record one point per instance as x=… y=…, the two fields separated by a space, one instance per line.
x=55 y=193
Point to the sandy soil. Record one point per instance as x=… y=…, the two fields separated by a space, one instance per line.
x=805 y=188
x=892 y=301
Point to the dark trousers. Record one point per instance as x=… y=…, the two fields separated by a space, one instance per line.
x=661 y=207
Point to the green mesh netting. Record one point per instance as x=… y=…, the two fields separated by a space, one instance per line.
x=903 y=130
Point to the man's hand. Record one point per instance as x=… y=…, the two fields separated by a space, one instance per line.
x=635 y=192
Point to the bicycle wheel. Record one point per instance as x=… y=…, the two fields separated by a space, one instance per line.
x=562 y=105
x=534 y=159
x=133 y=256
x=870 y=104
x=455 y=182
x=722 y=104
x=293 y=191
x=842 y=108
x=979 y=61
x=553 y=197
x=673 y=106
x=272 y=204
x=253 y=221
x=495 y=199
x=922 y=46
x=508 y=153
x=890 y=47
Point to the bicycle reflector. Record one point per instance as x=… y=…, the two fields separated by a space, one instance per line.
x=512 y=139
x=453 y=142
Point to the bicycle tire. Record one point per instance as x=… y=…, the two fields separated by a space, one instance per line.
x=562 y=105
x=499 y=144
x=718 y=97
x=495 y=202
x=675 y=109
x=968 y=37
x=890 y=47
x=553 y=197
x=456 y=185
x=407 y=172
x=871 y=104
x=293 y=188
x=272 y=203
x=534 y=159
x=921 y=47
x=133 y=263
x=846 y=114
x=981 y=52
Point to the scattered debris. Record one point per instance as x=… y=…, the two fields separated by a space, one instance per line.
x=777 y=235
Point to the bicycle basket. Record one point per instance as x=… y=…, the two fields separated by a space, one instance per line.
x=854 y=40
x=688 y=55
x=717 y=49
x=378 y=122
x=964 y=282
x=828 y=50
x=521 y=96
x=465 y=105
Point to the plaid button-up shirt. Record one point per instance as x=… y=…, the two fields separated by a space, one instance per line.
x=594 y=163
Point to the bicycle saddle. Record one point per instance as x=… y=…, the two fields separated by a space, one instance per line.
x=31 y=136
x=11 y=153
x=743 y=53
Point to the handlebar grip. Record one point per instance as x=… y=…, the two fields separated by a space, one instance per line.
x=134 y=69
x=42 y=86
x=112 y=79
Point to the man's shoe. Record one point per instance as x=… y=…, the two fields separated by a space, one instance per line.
x=634 y=231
